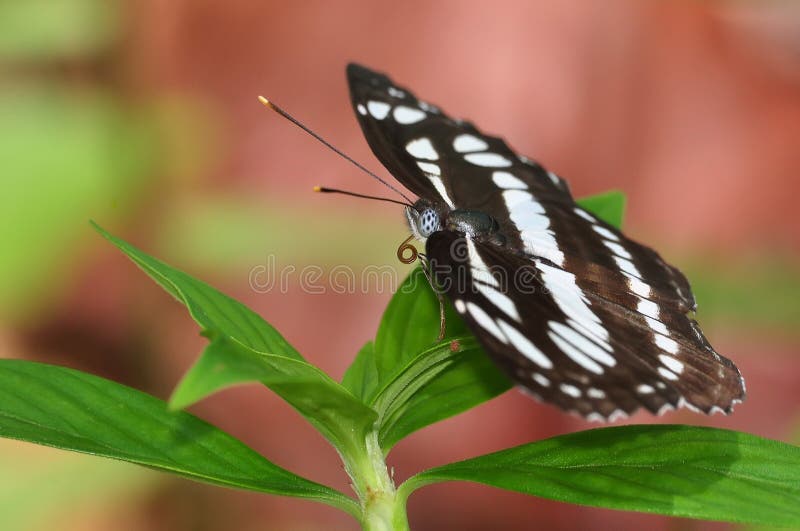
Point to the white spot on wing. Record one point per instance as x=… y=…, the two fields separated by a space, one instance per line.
x=638 y=287
x=468 y=143
x=480 y=271
x=429 y=168
x=618 y=249
x=648 y=308
x=571 y=300
x=542 y=244
x=553 y=177
x=671 y=363
x=485 y=322
x=506 y=180
x=587 y=331
x=437 y=183
x=540 y=379
x=575 y=354
x=407 y=115
x=528 y=215
x=487 y=160
x=593 y=392
x=658 y=326
x=585 y=215
x=514 y=198
x=667 y=374
x=460 y=306
x=602 y=231
x=668 y=344
x=500 y=300
x=663 y=409
x=524 y=345
x=644 y=389
x=395 y=92
x=586 y=346
x=361 y=109
x=570 y=390
x=617 y=414
x=378 y=109
x=422 y=148
x=627 y=266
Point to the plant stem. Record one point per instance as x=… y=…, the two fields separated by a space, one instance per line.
x=381 y=508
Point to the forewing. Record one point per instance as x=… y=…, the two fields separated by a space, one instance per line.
x=602 y=256
x=437 y=157
x=450 y=161
x=593 y=352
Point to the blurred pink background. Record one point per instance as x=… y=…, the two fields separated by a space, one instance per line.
x=692 y=109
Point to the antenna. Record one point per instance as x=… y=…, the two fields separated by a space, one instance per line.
x=264 y=101
x=325 y=190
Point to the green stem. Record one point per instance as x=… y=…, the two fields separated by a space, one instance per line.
x=381 y=508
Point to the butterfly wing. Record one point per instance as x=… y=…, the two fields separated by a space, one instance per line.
x=593 y=352
x=426 y=150
x=449 y=160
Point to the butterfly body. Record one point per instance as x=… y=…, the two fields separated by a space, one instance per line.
x=571 y=309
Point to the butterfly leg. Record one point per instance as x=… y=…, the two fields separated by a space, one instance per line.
x=438 y=292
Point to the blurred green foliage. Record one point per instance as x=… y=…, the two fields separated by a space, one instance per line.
x=220 y=233
x=758 y=292
x=72 y=146
x=66 y=155
x=38 y=485
x=49 y=29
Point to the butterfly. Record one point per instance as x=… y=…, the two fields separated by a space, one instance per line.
x=573 y=311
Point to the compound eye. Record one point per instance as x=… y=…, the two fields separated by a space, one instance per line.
x=428 y=223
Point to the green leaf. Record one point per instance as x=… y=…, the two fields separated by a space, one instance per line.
x=414 y=387
x=439 y=383
x=216 y=313
x=335 y=412
x=608 y=206
x=361 y=377
x=672 y=470
x=410 y=325
x=245 y=348
x=68 y=409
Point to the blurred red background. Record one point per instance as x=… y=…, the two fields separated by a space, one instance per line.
x=143 y=116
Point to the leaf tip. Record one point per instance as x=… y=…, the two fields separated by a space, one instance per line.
x=100 y=230
x=177 y=402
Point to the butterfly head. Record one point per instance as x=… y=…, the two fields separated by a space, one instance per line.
x=423 y=219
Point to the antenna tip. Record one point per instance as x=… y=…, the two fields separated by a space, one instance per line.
x=317 y=188
x=264 y=101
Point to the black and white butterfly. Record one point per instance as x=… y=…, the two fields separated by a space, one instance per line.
x=571 y=309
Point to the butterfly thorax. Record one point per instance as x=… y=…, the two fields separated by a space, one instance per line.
x=425 y=218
